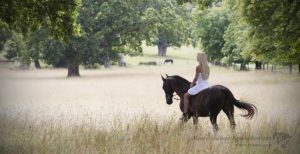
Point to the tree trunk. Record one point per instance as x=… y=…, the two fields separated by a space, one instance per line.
x=257 y=65
x=267 y=66
x=73 y=70
x=291 y=68
x=37 y=64
x=263 y=66
x=107 y=62
x=162 y=49
x=243 y=67
x=299 y=68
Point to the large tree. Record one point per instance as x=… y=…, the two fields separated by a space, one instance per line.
x=16 y=49
x=23 y=17
x=274 y=29
x=266 y=31
x=211 y=26
x=35 y=45
x=234 y=37
x=108 y=28
x=172 y=25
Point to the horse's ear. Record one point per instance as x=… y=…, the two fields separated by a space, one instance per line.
x=167 y=75
x=163 y=78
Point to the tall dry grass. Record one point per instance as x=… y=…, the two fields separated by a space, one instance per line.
x=144 y=135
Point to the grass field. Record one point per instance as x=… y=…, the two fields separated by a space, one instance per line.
x=123 y=110
x=182 y=56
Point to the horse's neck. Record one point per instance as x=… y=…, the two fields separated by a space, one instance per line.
x=181 y=93
x=181 y=90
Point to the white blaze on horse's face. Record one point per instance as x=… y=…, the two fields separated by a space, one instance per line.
x=168 y=91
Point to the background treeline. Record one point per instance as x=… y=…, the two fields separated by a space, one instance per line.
x=240 y=31
x=92 y=32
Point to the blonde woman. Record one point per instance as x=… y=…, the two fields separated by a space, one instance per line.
x=200 y=81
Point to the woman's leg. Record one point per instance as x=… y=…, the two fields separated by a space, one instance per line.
x=186 y=103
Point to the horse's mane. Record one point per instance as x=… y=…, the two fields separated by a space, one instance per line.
x=177 y=77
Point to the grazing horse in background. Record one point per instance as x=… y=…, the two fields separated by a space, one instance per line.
x=207 y=103
x=168 y=60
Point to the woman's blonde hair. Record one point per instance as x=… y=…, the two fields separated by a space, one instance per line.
x=202 y=59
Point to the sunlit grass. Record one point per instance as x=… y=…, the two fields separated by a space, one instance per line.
x=143 y=135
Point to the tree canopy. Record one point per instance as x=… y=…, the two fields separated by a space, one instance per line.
x=57 y=15
x=265 y=31
x=96 y=32
x=172 y=25
x=211 y=26
x=107 y=29
x=274 y=29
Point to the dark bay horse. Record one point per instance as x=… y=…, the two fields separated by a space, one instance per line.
x=208 y=102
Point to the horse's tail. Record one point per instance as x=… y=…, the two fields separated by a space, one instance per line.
x=250 y=108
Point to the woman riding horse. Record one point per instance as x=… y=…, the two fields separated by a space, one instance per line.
x=199 y=83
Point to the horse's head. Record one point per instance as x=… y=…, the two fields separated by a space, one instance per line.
x=167 y=87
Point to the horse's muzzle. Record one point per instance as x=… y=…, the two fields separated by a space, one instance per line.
x=169 y=99
x=169 y=102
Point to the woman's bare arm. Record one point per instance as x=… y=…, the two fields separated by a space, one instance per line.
x=196 y=75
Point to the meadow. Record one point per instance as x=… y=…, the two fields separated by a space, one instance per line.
x=123 y=110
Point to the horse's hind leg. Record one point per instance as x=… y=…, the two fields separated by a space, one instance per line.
x=213 y=120
x=230 y=116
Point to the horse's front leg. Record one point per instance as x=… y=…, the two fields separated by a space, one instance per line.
x=195 y=121
x=186 y=118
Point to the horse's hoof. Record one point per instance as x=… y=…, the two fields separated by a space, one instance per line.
x=184 y=118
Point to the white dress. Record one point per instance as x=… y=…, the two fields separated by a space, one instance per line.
x=200 y=85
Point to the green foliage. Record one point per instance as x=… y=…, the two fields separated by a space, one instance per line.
x=266 y=31
x=108 y=28
x=23 y=16
x=202 y=4
x=16 y=48
x=211 y=26
x=116 y=25
x=228 y=31
x=35 y=43
x=233 y=36
x=171 y=24
x=11 y=49
x=274 y=29
x=53 y=51
x=4 y=36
